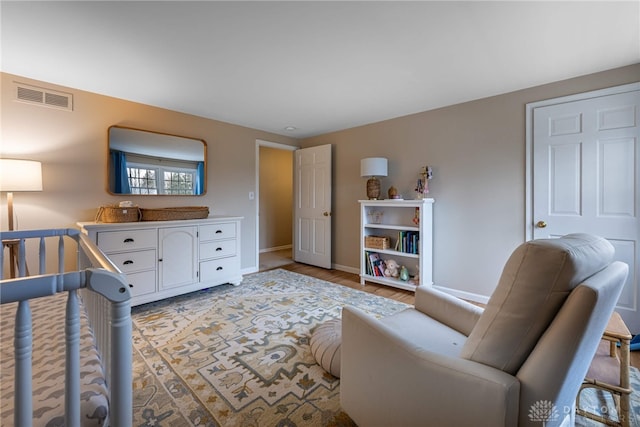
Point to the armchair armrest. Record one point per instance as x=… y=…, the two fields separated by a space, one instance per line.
x=447 y=309
x=386 y=380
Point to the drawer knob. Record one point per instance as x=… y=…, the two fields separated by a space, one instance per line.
x=130 y=285
x=219 y=268
x=127 y=262
x=218 y=231
x=128 y=240
x=218 y=249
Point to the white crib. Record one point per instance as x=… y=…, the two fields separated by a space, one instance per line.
x=91 y=333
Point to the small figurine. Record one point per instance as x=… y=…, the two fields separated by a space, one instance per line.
x=422 y=187
x=404 y=273
x=416 y=279
x=392 y=269
x=393 y=192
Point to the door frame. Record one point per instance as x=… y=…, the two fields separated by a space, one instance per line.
x=278 y=146
x=530 y=107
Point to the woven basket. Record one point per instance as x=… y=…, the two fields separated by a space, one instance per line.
x=172 y=214
x=376 y=242
x=117 y=214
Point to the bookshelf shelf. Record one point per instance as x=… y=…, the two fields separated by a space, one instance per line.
x=408 y=225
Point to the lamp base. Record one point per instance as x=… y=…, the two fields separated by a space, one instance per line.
x=373 y=188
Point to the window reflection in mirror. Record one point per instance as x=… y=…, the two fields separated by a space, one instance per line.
x=153 y=163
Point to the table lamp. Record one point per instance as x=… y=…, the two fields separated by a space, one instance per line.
x=19 y=175
x=373 y=167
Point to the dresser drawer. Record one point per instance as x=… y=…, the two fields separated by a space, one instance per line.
x=134 y=261
x=111 y=241
x=219 y=269
x=225 y=230
x=142 y=283
x=217 y=249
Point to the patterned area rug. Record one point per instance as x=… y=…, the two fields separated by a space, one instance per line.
x=239 y=356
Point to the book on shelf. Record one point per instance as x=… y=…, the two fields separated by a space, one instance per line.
x=408 y=242
x=375 y=264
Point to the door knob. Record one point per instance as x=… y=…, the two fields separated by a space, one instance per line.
x=541 y=224
x=327 y=214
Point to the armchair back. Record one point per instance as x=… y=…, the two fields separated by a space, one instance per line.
x=536 y=281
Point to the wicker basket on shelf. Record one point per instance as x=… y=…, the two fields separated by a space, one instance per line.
x=114 y=213
x=172 y=214
x=376 y=242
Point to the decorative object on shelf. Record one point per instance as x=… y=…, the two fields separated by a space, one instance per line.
x=416 y=279
x=375 y=217
x=416 y=216
x=376 y=242
x=422 y=187
x=404 y=274
x=373 y=167
x=393 y=268
x=393 y=193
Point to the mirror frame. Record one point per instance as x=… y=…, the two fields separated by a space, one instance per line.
x=156 y=134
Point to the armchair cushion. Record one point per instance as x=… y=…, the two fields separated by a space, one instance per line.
x=454 y=312
x=534 y=284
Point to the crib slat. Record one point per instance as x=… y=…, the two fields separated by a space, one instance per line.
x=22 y=348
x=60 y=254
x=22 y=259
x=2 y=262
x=121 y=393
x=42 y=252
x=72 y=361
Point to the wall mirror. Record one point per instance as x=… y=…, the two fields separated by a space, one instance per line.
x=154 y=163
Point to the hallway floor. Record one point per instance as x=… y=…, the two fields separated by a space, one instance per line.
x=269 y=260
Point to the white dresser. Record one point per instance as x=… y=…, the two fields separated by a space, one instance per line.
x=167 y=258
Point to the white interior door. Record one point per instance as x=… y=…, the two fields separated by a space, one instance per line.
x=312 y=206
x=586 y=167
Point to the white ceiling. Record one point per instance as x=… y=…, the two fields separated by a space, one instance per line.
x=319 y=66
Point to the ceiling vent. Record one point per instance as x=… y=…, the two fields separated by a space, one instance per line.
x=44 y=97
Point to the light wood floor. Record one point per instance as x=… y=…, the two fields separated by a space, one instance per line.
x=353 y=281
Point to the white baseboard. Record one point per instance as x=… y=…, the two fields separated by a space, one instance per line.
x=276 y=248
x=346 y=268
x=462 y=294
x=249 y=270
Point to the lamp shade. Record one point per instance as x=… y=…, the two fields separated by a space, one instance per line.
x=373 y=166
x=20 y=175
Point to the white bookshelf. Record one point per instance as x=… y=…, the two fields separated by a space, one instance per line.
x=394 y=219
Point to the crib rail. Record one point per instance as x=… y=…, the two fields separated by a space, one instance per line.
x=106 y=296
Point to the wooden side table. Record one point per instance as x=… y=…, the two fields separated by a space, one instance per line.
x=609 y=371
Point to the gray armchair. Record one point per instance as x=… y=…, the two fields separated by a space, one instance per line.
x=518 y=362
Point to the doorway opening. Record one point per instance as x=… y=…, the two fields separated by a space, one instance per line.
x=274 y=204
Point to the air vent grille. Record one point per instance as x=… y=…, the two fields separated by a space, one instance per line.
x=44 y=97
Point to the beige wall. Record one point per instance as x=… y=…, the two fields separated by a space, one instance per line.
x=72 y=147
x=476 y=149
x=477 y=152
x=276 y=198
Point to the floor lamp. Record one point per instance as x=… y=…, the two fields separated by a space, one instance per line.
x=15 y=176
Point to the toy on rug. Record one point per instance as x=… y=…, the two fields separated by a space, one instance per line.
x=393 y=268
